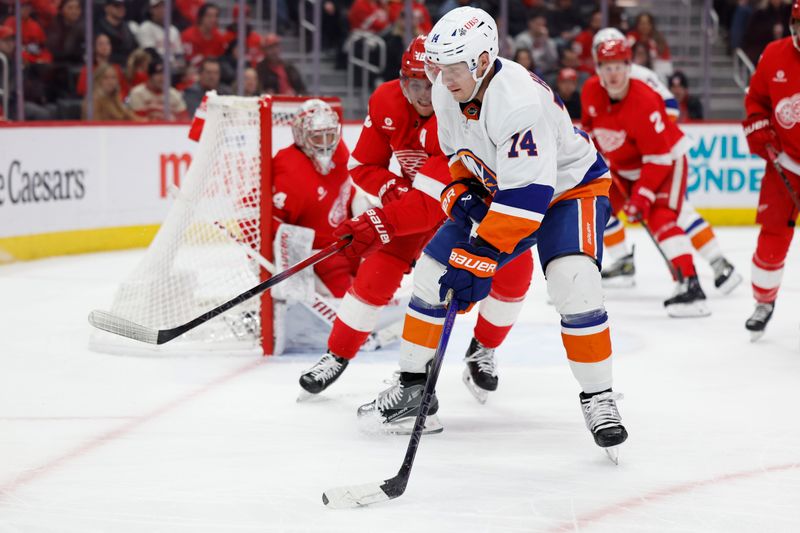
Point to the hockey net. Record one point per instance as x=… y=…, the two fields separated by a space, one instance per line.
x=207 y=250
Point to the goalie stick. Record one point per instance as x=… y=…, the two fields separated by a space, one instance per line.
x=389 y=489
x=126 y=328
x=319 y=306
x=773 y=158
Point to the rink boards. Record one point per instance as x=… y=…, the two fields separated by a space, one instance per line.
x=90 y=187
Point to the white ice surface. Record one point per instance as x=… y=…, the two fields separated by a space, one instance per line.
x=107 y=443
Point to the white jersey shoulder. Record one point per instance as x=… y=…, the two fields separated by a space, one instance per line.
x=638 y=72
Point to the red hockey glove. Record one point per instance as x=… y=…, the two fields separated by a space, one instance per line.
x=463 y=201
x=370 y=231
x=637 y=208
x=760 y=133
x=393 y=190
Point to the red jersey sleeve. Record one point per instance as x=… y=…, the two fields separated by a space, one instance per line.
x=652 y=132
x=757 y=102
x=288 y=200
x=419 y=209
x=369 y=163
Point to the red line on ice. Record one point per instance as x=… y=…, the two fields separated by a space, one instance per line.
x=666 y=492
x=27 y=476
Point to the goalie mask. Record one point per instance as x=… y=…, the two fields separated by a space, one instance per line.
x=316 y=130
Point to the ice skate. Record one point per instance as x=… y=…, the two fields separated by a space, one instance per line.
x=320 y=376
x=620 y=274
x=395 y=409
x=757 y=322
x=603 y=420
x=480 y=376
x=726 y=278
x=688 y=300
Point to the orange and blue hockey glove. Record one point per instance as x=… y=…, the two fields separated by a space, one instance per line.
x=469 y=273
x=464 y=202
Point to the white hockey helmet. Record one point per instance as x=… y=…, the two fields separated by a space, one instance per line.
x=605 y=35
x=462 y=35
x=316 y=130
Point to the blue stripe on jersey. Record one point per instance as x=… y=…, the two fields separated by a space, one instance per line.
x=597 y=169
x=533 y=197
x=586 y=320
x=671 y=103
x=426 y=309
x=693 y=225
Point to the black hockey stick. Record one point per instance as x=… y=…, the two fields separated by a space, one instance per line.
x=674 y=271
x=389 y=489
x=126 y=328
x=773 y=158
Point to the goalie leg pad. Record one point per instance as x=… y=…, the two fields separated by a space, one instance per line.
x=574 y=286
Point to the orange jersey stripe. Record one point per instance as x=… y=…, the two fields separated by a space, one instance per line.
x=588 y=348
x=505 y=231
x=615 y=237
x=702 y=237
x=587 y=229
x=421 y=333
x=598 y=187
x=459 y=171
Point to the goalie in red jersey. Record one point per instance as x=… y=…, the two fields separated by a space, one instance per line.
x=391 y=237
x=772 y=128
x=646 y=154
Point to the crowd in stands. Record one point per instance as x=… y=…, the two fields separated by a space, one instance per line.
x=552 y=38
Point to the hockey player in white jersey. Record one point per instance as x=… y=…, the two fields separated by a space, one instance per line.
x=548 y=186
x=619 y=269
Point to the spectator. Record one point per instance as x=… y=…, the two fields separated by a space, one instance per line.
x=739 y=22
x=102 y=56
x=113 y=24
x=147 y=99
x=277 y=76
x=537 y=39
x=422 y=18
x=187 y=11
x=523 y=57
x=208 y=79
x=690 y=106
x=33 y=37
x=766 y=25
x=106 y=99
x=45 y=12
x=252 y=42
x=137 y=67
x=582 y=45
x=151 y=35
x=204 y=39
x=564 y=22
x=645 y=31
x=569 y=60
x=449 y=5
x=369 y=15
x=396 y=46
x=251 y=86
x=641 y=55
x=567 y=88
x=66 y=38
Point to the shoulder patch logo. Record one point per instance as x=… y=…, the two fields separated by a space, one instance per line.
x=780 y=77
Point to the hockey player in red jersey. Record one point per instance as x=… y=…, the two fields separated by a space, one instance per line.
x=773 y=125
x=646 y=153
x=320 y=200
x=391 y=237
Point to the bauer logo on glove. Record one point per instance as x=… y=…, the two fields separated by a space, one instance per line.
x=479 y=266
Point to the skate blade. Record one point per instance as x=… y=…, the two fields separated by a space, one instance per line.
x=480 y=394
x=306 y=397
x=619 y=282
x=372 y=424
x=731 y=283
x=690 y=310
x=755 y=335
x=613 y=454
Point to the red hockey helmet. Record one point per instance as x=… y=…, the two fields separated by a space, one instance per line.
x=794 y=22
x=615 y=50
x=412 y=65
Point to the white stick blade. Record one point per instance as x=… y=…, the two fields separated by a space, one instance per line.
x=354 y=496
x=120 y=326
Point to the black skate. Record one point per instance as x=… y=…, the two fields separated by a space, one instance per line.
x=603 y=420
x=688 y=300
x=726 y=278
x=320 y=376
x=757 y=323
x=396 y=408
x=620 y=274
x=480 y=376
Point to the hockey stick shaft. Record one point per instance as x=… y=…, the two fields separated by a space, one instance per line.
x=368 y=493
x=773 y=158
x=129 y=329
x=676 y=274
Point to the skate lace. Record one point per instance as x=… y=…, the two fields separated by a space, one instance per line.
x=392 y=395
x=761 y=313
x=601 y=411
x=485 y=359
x=325 y=368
